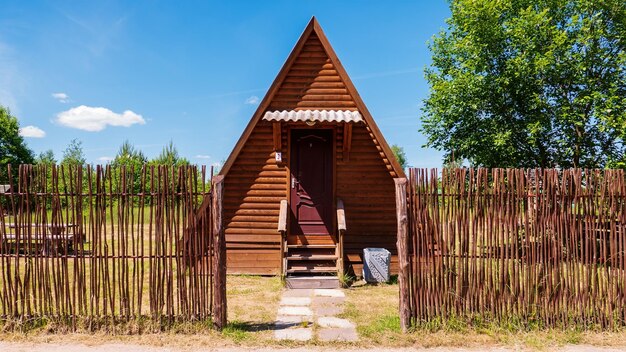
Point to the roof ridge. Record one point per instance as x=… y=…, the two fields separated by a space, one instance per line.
x=313 y=28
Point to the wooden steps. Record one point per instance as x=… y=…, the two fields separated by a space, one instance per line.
x=311 y=259
x=312 y=270
x=311 y=246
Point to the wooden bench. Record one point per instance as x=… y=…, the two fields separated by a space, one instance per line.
x=44 y=239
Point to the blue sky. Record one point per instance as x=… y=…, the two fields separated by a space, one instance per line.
x=193 y=72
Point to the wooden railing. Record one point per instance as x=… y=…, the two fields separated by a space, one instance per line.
x=282 y=228
x=341 y=227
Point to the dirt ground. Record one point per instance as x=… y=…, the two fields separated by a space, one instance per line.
x=76 y=347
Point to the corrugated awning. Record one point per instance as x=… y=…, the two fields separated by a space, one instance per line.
x=314 y=115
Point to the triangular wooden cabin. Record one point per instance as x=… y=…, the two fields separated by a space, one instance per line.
x=311 y=145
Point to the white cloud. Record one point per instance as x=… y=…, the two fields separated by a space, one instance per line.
x=61 y=97
x=105 y=159
x=252 y=100
x=32 y=132
x=94 y=119
x=200 y=156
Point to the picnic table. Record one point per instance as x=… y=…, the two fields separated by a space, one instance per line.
x=53 y=240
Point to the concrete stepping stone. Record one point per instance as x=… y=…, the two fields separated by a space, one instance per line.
x=300 y=334
x=327 y=301
x=301 y=292
x=334 y=322
x=297 y=310
x=328 y=292
x=338 y=334
x=297 y=319
x=282 y=325
x=295 y=301
x=327 y=310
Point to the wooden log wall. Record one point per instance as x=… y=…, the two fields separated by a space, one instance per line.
x=312 y=83
x=102 y=245
x=541 y=247
x=253 y=189
x=366 y=187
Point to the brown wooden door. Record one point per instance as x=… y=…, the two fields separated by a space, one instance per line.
x=311 y=187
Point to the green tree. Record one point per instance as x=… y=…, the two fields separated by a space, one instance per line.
x=398 y=151
x=45 y=162
x=13 y=149
x=73 y=154
x=529 y=83
x=46 y=158
x=133 y=160
x=169 y=156
x=73 y=161
x=129 y=155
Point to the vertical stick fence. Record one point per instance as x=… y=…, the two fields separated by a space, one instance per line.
x=103 y=244
x=541 y=247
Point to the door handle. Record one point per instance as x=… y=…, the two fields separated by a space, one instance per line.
x=293 y=182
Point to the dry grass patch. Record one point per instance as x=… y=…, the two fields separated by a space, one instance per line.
x=374 y=310
x=252 y=306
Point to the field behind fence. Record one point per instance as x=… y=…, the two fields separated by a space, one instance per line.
x=538 y=247
x=111 y=244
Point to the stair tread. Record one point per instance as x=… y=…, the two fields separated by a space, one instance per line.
x=312 y=270
x=311 y=257
x=311 y=246
x=312 y=278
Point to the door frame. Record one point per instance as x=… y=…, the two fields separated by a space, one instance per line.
x=290 y=127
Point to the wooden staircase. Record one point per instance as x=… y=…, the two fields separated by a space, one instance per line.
x=311 y=259
x=312 y=265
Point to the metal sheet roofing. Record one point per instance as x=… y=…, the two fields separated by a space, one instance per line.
x=314 y=115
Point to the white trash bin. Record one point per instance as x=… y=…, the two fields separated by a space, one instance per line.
x=376 y=262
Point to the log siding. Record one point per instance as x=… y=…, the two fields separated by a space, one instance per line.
x=256 y=184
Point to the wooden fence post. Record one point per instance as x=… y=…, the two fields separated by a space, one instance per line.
x=219 y=259
x=403 y=253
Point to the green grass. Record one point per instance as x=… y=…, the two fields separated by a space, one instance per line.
x=237 y=332
x=374 y=309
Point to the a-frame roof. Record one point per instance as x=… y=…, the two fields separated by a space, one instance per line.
x=312 y=30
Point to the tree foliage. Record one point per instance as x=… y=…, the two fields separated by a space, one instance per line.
x=73 y=154
x=529 y=83
x=398 y=151
x=46 y=158
x=13 y=149
x=169 y=156
x=132 y=160
x=128 y=155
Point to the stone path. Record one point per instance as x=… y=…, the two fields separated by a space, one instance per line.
x=304 y=312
